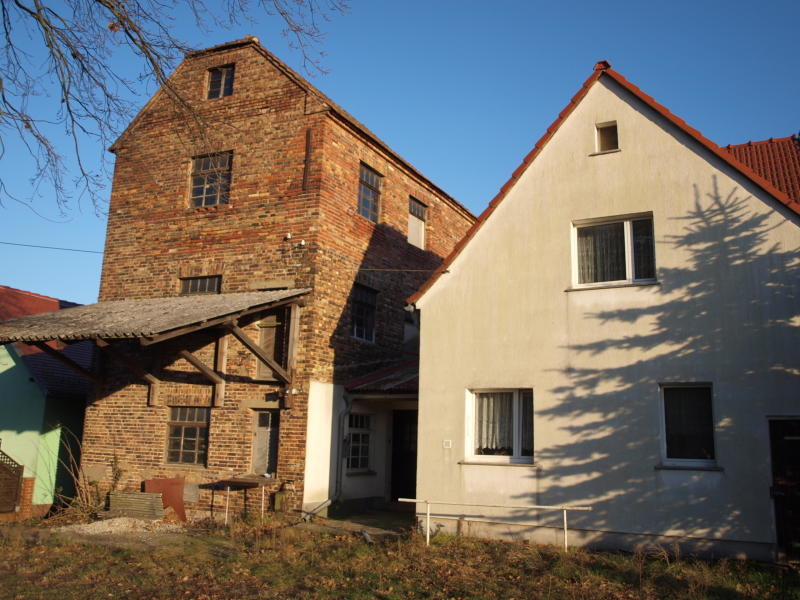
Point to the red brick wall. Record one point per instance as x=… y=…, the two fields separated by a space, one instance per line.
x=27 y=509
x=154 y=237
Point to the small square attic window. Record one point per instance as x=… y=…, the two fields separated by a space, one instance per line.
x=607 y=138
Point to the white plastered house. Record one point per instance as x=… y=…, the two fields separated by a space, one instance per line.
x=620 y=330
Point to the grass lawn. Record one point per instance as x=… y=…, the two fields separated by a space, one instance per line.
x=281 y=561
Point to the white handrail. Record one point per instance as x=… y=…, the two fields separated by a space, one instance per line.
x=428 y=503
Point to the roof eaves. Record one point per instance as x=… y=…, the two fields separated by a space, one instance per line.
x=599 y=68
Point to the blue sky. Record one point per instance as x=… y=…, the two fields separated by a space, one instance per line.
x=463 y=89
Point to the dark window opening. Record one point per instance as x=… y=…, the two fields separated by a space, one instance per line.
x=688 y=423
x=364 y=306
x=201 y=285
x=211 y=179
x=220 y=81
x=607 y=138
x=369 y=193
x=187 y=438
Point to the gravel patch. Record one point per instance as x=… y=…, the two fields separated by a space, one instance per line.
x=122 y=525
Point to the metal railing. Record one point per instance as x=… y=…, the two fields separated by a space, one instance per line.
x=428 y=504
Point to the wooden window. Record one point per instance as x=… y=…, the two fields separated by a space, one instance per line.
x=359 y=439
x=615 y=251
x=369 y=193
x=688 y=425
x=211 y=179
x=364 y=307
x=220 y=81
x=503 y=425
x=210 y=284
x=265 y=442
x=607 y=138
x=274 y=340
x=417 y=216
x=187 y=438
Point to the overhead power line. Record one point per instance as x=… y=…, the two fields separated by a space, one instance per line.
x=52 y=248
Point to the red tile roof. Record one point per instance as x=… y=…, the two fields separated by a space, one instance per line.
x=603 y=69
x=53 y=378
x=19 y=303
x=776 y=160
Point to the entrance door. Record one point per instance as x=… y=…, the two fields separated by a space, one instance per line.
x=784 y=435
x=265 y=442
x=404 y=454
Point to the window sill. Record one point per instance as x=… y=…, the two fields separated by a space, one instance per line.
x=498 y=464
x=369 y=473
x=663 y=467
x=359 y=339
x=612 y=285
x=211 y=207
x=171 y=465
x=606 y=152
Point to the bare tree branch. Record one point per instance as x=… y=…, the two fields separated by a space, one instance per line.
x=76 y=90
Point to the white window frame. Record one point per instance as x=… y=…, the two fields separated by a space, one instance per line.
x=687 y=463
x=627 y=221
x=361 y=431
x=597 y=135
x=469 y=438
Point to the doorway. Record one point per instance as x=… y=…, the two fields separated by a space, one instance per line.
x=265 y=442
x=784 y=435
x=404 y=454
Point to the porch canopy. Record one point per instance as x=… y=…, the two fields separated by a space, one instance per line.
x=150 y=321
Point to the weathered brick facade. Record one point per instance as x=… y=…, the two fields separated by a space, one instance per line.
x=291 y=221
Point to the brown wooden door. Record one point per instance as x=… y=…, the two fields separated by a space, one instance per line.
x=784 y=437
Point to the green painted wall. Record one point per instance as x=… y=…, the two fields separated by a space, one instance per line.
x=22 y=425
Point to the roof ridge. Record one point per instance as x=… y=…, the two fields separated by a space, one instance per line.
x=772 y=140
x=603 y=68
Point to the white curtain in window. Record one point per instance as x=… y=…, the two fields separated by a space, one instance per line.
x=494 y=423
x=601 y=253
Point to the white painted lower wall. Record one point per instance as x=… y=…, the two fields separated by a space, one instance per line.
x=325 y=404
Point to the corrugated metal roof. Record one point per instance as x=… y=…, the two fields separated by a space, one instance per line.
x=135 y=318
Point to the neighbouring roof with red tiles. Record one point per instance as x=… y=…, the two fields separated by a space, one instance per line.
x=776 y=160
x=603 y=69
x=402 y=377
x=53 y=378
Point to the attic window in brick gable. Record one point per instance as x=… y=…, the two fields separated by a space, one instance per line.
x=220 y=81
x=211 y=179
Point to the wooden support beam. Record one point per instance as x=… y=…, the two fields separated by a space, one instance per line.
x=122 y=358
x=59 y=356
x=259 y=353
x=220 y=364
x=224 y=320
x=210 y=374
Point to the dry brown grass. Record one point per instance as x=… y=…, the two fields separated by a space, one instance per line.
x=279 y=560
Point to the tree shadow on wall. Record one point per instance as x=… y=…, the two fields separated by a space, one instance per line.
x=699 y=325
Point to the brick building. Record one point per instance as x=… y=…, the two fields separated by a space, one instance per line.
x=260 y=246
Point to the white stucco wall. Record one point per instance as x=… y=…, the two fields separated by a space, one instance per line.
x=325 y=402
x=725 y=311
